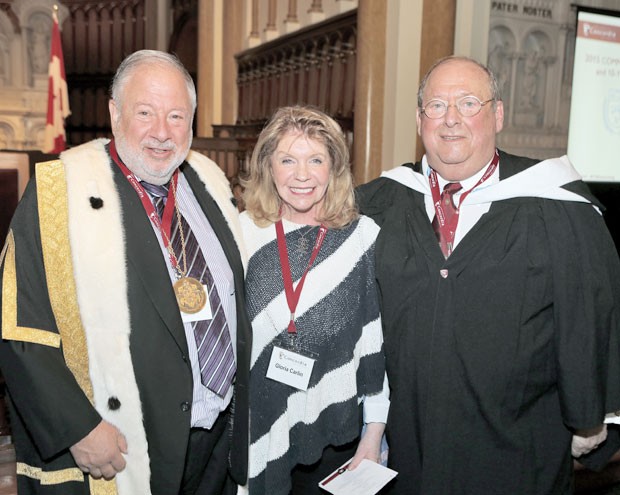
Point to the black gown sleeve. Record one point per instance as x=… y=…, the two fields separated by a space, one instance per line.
x=586 y=278
x=46 y=396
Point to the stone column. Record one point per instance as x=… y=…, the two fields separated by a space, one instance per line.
x=402 y=69
x=157 y=38
x=291 y=23
x=316 y=6
x=369 y=89
x=315 y=12
x=232 y=43
x=206 y=73
x=252 y=21
x=438 y=25
x=271 y=29
x=291 y=15
x=437 y=40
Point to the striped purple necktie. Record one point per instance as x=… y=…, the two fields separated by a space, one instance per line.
x=215 y=353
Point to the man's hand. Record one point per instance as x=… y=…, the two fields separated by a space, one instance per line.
x=100 y=453
x=585 y=441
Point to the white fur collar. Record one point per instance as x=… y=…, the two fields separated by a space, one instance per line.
x=99 y=259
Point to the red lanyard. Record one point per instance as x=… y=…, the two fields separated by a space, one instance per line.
x=292 y=295
x=164 y=225
x=439 y=213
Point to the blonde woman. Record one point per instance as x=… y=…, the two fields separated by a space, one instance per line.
x=317 y=368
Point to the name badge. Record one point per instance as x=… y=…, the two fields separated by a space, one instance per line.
x=204 y=314
x=290 y=368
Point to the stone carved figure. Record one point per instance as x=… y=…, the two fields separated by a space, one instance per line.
x=532 y=70
x=499 y=62
x=39 y=45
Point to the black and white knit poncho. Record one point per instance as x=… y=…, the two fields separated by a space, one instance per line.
x=337 y=317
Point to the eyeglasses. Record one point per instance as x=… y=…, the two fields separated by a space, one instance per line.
x=468 y=106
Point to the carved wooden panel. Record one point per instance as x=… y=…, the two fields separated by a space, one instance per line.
x=229 y=153
x=96 y=37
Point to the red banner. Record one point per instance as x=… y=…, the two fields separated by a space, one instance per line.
x=57 y=96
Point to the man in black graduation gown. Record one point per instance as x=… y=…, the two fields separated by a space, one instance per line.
x=500 y=298
x=99 y=356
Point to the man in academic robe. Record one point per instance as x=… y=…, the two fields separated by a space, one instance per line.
x=500 y=292
x=99 y=333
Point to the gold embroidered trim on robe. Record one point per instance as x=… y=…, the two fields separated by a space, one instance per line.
x=50 y=477
x=97 y=487
x=10 y=330
x=53 y=219
x=53 y=215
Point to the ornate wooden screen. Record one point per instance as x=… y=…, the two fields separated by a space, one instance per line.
x=96 y=37
x=315 y=65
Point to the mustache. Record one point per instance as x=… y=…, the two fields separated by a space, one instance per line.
x=166 y=145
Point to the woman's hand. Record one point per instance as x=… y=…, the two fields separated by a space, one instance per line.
x=369 y=446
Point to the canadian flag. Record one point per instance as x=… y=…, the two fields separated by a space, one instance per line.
x=57 y=96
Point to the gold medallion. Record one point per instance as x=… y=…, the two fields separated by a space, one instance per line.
x=190 y=294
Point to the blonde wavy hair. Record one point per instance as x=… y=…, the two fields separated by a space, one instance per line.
x=260 y=196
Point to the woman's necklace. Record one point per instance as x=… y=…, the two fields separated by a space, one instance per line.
x=303 y=242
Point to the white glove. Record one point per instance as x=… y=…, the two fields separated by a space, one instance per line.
x=585 y=441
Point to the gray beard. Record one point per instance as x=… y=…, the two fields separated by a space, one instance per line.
x=136 y=163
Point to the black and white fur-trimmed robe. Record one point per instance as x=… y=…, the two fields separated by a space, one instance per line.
x=337 y=318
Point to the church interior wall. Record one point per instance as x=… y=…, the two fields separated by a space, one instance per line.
x=529 y=43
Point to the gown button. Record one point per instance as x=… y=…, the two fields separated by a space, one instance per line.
x=444 y=273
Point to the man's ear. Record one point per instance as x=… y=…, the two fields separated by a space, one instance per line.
x=418 y=120
x=499 y=116
x=114 y=113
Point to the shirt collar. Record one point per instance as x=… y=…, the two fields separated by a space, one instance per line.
x=466 y=183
